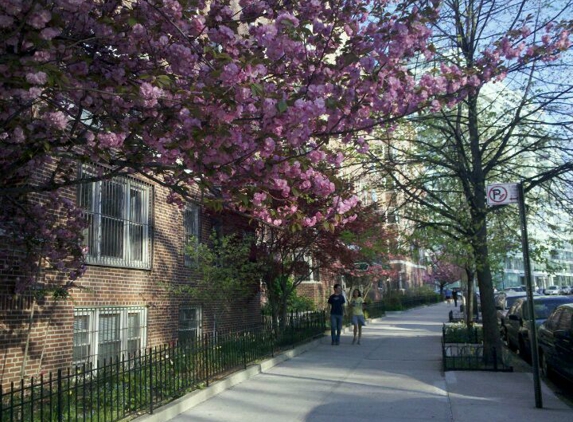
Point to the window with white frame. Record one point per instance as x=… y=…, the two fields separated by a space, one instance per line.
x=308 y=268
x=189 y=323
x=191 y=225
x=119 y=221
x=106 y=333
x=315 y=269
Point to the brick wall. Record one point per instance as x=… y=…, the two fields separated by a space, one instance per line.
x=51 y=334
x=319 y=291
x=42 y=328
x=314 y=291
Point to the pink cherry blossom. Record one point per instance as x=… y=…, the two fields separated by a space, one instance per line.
x=246 y=102
x=56 y=119
x=37 y=78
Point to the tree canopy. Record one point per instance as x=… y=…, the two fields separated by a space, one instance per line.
x=232 y=102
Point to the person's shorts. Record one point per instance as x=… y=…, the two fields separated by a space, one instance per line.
x=358 y=320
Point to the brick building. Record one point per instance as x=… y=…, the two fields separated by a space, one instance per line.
x=125 y=301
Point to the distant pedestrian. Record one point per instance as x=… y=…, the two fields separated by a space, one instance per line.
x=357 y=312
x=455 y=297
x=448 y=295
x=336 y=302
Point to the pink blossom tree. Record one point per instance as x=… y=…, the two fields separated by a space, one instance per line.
x=233 y=102
x=443 y=273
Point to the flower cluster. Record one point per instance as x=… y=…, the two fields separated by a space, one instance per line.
x=240 y=101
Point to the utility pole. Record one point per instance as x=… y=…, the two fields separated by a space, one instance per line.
x=513 y=193
x=530 y=304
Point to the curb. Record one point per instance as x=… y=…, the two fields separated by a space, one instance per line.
x=190 y=400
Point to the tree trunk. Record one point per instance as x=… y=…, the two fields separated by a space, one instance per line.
x=283 y=313
x=492 y=339
x=28 y=335
x=476 y=196
x=470 y=297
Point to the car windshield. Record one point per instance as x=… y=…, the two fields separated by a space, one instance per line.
x=509 y=300
x=542 y=309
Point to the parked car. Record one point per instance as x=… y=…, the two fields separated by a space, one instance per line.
x=503 y=301
x=515 y=289
x=555 y=339
x=518 y=321
x=567 y=290
x=552 y=290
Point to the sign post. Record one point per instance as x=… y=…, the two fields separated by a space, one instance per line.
x=513 y=193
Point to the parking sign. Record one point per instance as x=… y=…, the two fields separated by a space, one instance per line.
x=502 y=194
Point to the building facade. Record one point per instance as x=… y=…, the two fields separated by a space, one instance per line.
x=127 y=299
x=557 y=270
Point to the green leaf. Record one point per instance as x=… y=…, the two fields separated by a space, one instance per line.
x=163 y=80
x=257 y=89
x=331 y=103
x=282 y=106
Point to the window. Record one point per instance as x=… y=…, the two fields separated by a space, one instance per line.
x=189 y=323
x=565 y=320
x=307 y=268
x=553 y=320
x=192 y=229
x=105 y=333
x=119 y=230
x=391 y=216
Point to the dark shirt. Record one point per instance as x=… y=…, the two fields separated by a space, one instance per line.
x=337 y=304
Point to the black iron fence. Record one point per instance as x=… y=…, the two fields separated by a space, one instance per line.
x=131 y=385
x=400 y=302
x=371 y=310
x=463 y=349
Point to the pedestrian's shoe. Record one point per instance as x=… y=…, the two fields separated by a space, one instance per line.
x=358 y=341
x=332 y=343
x=353 y=341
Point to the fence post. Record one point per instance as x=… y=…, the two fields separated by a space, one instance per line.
x=206 y=344
x=60 y=403
x=292 y=319
x=244 y=347
x=273 y=340
x=150 y=363
x=444 y=346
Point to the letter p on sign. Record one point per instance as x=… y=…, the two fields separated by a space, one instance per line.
x=502 y=194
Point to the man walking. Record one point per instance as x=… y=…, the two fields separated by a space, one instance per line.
x=336 y=302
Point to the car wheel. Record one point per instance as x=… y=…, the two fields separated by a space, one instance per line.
x=510 y=344
x=545 y=367
x=523 y=351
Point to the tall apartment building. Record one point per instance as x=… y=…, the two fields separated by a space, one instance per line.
x=410 y=265
x=556 y=268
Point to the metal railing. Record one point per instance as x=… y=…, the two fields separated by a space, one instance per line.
x=463 y=349
x=371 y=310
x=131 y=385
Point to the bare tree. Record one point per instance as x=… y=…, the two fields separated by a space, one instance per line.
x=516 y=129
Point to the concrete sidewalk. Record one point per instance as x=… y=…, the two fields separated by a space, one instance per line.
x=395 y=375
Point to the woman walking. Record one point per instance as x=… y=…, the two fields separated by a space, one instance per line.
x=357 y=312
